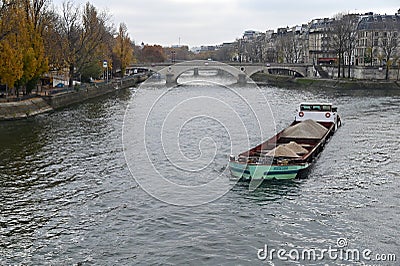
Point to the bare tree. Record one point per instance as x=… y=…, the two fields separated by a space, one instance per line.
x=246 y=50
x=225 y=53
x=271 y=55
x=69 y=31
x=290 y=48
x=344 y=37
x=95 y=38
x=82 y=35
x=36 y=12
x=52 y=40
x=390 y=44
x=350 y=21
x=297 y=49
x=339 y=35
x=258 y=53
x=285 y=47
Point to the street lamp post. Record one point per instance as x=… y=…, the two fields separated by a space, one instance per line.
x=173 y=52
x=105 y=65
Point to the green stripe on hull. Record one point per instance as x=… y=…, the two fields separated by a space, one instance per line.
x=239 y=170
x=265 y=172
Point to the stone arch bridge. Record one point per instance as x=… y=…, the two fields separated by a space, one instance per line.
x=241 y=71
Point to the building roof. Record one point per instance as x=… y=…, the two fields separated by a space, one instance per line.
x=379 y=22
x=320 y=24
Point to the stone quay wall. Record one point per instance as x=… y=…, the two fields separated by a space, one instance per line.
x=23 y=109
x=43 y=104
x=365 y=73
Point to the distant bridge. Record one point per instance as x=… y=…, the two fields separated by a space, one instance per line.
x=241 y=71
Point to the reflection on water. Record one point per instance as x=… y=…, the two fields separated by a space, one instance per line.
x=67 y=196
x=269 y=190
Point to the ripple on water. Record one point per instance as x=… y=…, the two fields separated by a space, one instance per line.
x=67 y=196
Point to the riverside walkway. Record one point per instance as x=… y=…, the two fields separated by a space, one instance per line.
x=49 y=100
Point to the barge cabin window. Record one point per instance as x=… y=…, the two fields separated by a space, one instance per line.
x=316 y=107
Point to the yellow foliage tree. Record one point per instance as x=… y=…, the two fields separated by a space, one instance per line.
x=11 y=67
x=123 y=48
x=11 y=56
x=21 y=47
x=34 y=60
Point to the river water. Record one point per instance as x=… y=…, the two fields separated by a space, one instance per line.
x=68 y=195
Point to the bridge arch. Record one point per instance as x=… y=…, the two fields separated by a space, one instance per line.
x=291 y=71
x=286 y=71
x=173 y=72
x=253 y=70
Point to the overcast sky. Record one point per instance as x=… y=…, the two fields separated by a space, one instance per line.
x=210 y=22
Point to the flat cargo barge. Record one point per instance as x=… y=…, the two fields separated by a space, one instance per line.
x=290 y=152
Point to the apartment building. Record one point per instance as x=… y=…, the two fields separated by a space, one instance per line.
x=377 y=35
x=319 y=42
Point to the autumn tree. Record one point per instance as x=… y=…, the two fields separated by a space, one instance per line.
x=123 y=48
x=5 y=27
x=177 y=54
x=34 y=58
x=11 y=56
x=153 y=54
x=21 y=48
x=11 y=68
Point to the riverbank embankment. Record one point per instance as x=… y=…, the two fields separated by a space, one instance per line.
x=52 y=101
x=292 y=82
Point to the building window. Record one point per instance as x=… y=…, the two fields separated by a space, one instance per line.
x=376 y=34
